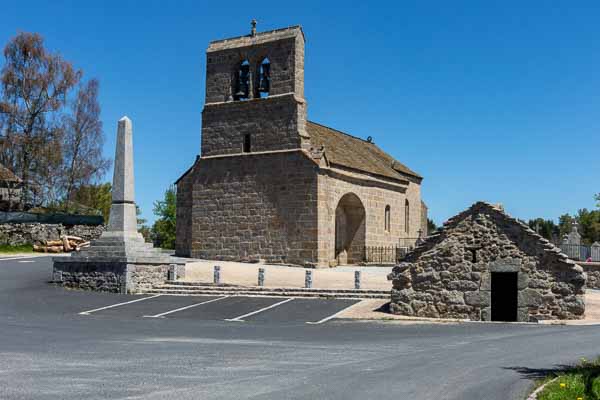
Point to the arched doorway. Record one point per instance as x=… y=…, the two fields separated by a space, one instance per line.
x=349 y=230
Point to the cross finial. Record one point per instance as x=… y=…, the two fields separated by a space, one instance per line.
x=253 y=31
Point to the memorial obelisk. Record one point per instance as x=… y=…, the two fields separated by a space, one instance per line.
x=120 y=260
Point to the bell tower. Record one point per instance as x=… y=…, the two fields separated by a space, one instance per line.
x=255 y=93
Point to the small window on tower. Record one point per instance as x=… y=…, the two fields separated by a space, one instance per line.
x=247 y=143
x=387 y=218
x=264 y=78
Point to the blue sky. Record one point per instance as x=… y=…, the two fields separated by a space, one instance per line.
x=495 y=101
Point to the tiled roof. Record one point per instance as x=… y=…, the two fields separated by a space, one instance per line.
x=352 y=152
x=7 y=175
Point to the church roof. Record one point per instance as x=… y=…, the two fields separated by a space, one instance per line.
x=7 y=175
x=352 y=152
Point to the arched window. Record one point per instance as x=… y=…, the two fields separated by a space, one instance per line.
x=387 y=218
x=242 y=90
x=264 y=78
x=406 y=216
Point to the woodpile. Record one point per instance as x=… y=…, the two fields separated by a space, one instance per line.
x=66 y=244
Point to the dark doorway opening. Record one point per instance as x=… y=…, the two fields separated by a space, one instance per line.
x=504 y=296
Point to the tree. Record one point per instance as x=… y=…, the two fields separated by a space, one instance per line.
x=589 y=224
x=545 y=227
x=97 y=197
x=34 y=85
x=431 y=226
x=83 y=140
x=164 y=228
x=597 y=198
x=141 y=225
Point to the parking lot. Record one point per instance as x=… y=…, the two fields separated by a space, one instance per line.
x=233 y=309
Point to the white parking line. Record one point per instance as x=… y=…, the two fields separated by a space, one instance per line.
x=331 y=316
x=241 y=317
x=118 y=304
x=17 y=258
x=184 y=308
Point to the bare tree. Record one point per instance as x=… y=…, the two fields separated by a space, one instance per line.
x=82 y=142
x=34 y=85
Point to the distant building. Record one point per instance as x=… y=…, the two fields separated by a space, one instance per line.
x=271 y=185
x=11 y=187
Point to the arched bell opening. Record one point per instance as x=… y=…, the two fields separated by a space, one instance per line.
x=263 y=79
x=242 y=86
x=350 y=230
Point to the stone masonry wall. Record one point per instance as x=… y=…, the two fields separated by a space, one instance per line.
x=592 y=271
x=36 y=233
x=284 y=48
x=274 y=123
x=254 y=206
x=450 y=275
x=374 y=195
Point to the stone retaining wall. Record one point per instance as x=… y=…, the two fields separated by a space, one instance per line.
x=36 y=233
x=112 y=276
x=592 y=270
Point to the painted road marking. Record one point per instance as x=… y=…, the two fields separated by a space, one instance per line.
x=184 y=308
x=19 y=258
x=118 y=304
x=241 y=317
x=331 y=316
x=26 y=261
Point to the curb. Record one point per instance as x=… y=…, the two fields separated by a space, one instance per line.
x=533 y=396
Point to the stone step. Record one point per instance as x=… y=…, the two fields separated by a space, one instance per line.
x=274 y=293
x=177 y=285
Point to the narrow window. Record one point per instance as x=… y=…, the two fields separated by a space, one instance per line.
x=247 y=143
x=406 y=216
x=242 y=91
x=264 y=78
x=387 y=218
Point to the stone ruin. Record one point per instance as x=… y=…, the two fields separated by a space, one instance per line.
x=484 y=265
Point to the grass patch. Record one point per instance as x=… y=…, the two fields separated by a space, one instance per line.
x=25 y=248
x=581 y=382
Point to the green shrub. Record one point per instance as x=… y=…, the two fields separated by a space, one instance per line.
x=6 y=249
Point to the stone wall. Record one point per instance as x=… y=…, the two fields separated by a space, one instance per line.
x=375 y=195
x=592 y=270
x=283 y=47
x=36 y=233
x=250 y=207
x=115 y=277
x=450 y=274
x=274 y=123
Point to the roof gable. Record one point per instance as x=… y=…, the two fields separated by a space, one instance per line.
x=352 y=152
x=516 y=227
x=7 y=175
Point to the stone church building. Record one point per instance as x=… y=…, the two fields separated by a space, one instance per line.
x=271 y=185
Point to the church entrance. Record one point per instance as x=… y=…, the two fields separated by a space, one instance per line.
x=504 y=296
x=349 y=230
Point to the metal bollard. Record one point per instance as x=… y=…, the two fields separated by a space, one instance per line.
x=217 y=275
x=308 y=280
x=356 y=279
x=261 y=277
x=172 y=273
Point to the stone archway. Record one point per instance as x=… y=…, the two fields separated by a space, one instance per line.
x=350 y=229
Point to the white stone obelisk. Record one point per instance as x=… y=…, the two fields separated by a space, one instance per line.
x=123 y=221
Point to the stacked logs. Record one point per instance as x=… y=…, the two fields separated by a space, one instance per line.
x=65 y=244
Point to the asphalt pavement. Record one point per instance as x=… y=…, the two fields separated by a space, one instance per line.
x=68 y=344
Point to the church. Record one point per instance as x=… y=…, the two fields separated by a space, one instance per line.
x=270 y=185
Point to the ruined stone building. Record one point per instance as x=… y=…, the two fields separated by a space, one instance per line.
x=271 y=185
x=485 y=265
x=10 y=190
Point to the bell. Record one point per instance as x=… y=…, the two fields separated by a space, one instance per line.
x=243 y=89
x=264 y=82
